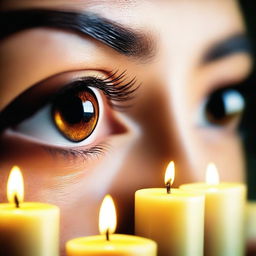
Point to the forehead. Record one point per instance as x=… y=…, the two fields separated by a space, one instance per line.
x=188 y=27
x=182 y=18
x=64 y=3
x=173 y=13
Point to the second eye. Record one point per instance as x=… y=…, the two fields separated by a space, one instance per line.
x=75 y=113
x=222 y=107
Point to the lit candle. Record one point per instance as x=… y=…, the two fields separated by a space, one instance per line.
x=27 y=229
x=224 y=214
x=172 y=217
x=109 y=243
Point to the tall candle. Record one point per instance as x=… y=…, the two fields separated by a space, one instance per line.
x=27 y=229
x=108 y=243
x=172 y=217
x=224 y=214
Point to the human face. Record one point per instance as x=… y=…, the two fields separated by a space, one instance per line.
x=188 y=51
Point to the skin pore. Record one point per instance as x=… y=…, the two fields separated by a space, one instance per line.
x=192 y=57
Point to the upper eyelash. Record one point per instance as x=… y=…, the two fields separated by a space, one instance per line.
x=117 y=89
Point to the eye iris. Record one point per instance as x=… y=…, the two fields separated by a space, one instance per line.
x=75 y=114
x=223 y=106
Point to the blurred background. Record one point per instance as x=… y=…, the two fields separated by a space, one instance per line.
x=248 y=126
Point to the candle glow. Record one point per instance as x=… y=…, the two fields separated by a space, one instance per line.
x=107 y=216
x=15 y=186
x=212 y=175
x=170 y=173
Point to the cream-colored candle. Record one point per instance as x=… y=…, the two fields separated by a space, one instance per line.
x=251 y=225
x=224 y=214
x=27 y=229
x=172 y=217
x=108 y=243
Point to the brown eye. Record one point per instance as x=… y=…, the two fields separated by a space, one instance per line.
x=75 y=113
x=224 y=106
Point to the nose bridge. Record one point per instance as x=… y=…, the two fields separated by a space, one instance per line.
x=179 y=112
x=166 y=123
x=180 y=67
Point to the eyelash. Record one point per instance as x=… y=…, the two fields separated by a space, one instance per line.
x=74 y=153
x=116 y=88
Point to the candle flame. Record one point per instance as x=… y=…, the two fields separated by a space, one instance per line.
x=170 y=173
x=212 y=175
x=107 y=216
x=15 y=186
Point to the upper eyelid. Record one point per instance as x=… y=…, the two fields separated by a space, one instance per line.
x=116 y=87
x=224 y=73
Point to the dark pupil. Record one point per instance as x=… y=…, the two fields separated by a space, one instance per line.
x=74 y=110
x=215 y=107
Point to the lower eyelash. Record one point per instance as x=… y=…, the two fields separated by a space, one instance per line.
x=77 y=153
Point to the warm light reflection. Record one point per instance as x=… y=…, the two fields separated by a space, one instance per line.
x=15 y=186
x=107 y=216
x=212 y=175
x=170 y=173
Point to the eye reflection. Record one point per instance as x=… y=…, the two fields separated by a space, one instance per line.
x=75 y=113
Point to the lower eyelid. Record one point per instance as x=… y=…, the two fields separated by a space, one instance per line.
x=83 y=153
x=78 y=153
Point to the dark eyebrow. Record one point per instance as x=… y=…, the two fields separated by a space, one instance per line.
x=123 y=40
x=236 y=43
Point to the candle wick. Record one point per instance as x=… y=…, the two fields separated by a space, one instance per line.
x=16 y=200
x=168 y=187
x=107 y=234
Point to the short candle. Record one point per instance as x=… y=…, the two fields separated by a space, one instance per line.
x=108 y=243
x=172 y=217
x=224 y=214
x=27 y=229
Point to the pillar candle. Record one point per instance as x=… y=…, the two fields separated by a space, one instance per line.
x=172 y=217
x=27 y=229
x=108 y=243
x=224 y=214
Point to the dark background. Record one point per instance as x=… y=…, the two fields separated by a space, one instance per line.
x=248 y=126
